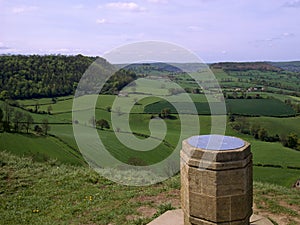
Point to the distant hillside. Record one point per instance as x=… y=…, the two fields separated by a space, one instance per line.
x=290 y=66
x=243 y=66
x=40 y=76
x=159 y=67
x=35 y=76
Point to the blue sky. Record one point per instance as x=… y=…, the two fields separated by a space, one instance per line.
x=216 y=30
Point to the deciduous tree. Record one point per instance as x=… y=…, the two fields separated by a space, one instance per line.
x=103 y=124
x=28 y=122
x=18 y=118
x=45 y=126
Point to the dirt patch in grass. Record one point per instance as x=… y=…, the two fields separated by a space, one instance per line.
x=143 y=212
x=151 y=203
x=290 y=206
x=280 y=219
x=146 y=211
x=172 y=197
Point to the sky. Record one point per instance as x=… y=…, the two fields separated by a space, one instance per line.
x=216 y=30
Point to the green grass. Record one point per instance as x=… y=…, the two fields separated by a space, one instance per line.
x=248 y=107
x=64 y=132
x=64 y=148
x=123 y=153
x=202 y=108
x=274 y=153
x=42 y=101
x=263 y=152
x=49 y=147
x=41 y=148
x=259 y=107
x=60 y=106
x=151 y=86
x=282 y=177
x=53 y=193
x=277 y=200
x=221 y=74
x=278 y=126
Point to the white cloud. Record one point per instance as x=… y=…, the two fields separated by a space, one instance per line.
x=101 y=21
x=128 y=6
x=60 y=51
x=3 y=46
x=4 y=49
x=292 y=4
x=23 y=9
x=287 y=34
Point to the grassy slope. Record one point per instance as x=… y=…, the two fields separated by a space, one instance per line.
x=278 y=125
x=40 y=147
x=265 y=153
x=274 y=153
x=53 y=193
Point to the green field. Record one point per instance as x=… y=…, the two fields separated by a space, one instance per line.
x=280 y=126
x=259 y=107
x=146 y=99
x=278 y=176
x=249 y=107
x=46 y=179
x=275 y=154
x=62 y=144
x=40 y=148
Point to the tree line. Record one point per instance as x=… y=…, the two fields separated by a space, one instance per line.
x=17 y=121
x=36 y=76
x=241 y=125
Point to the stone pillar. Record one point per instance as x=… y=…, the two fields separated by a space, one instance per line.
x=216 y=180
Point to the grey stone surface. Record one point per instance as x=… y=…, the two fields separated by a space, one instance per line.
x=175 y=217
x=171 y=217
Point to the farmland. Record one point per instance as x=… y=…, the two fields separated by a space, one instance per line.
x=246 y=107
x=259 y=107
x=156 y=109
x=62 y=145
x=272 y=107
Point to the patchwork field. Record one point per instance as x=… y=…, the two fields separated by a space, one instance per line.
x=142 y=101
x=246 y=107
x=62 y=145
x=259 y=107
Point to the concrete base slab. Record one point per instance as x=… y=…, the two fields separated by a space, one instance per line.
x=171 y=217
x=175 y=217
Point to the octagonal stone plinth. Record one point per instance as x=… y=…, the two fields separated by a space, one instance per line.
x=216 y=180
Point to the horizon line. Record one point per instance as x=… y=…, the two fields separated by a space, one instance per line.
x=211 y=62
